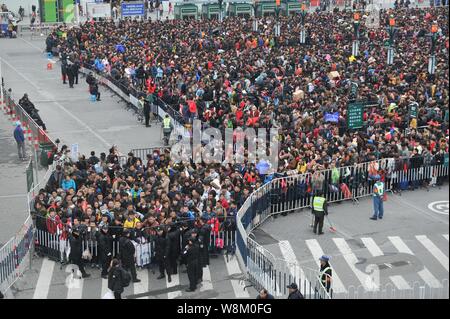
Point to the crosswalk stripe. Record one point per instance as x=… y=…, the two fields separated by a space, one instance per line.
x=206 y=282
x=75 y=290
x=400 y=282
x=175 y=282
x=294 y=268
x=232 y=269
x=445 y=236
x=366 y=281
x=425 y=274
x=317 y=252
x=104 y=287
x=373 y=248
x=434 y=250
x=141 y=287
x=44 y=279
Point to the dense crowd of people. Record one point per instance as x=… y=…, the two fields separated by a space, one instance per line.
x=226 y=75
x=100 y=207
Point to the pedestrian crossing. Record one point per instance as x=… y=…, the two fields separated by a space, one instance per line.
x=221 y=279
x=371 y=264
x=402 y=262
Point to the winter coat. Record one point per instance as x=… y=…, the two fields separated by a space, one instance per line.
x=115 y=279
x=127 y=250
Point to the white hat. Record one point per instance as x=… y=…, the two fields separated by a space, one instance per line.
x=18 y=123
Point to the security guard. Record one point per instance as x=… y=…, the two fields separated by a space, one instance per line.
x=192 y=253
x=319 y=210
x=167 y=129
x=378 y=195
x=325 y=272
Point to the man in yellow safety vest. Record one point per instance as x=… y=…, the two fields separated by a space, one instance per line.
x=319 y=210
x=325 y=272
x=167 y=128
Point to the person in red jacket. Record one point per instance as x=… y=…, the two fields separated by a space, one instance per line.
x=52 y=221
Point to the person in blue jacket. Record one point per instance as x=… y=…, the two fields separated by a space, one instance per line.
x=68 y=183
x=20 y=140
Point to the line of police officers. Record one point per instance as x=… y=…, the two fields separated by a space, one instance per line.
x=181 y=243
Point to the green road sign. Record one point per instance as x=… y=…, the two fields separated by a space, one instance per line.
x=413 y=110
x=30 y=179
x=355 y=115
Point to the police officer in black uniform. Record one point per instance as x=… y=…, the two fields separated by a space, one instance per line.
x=204 y=236
x=104 y=241
x=64 y=67
x=174 y=251
x=162 y=251
x=70 y=75
x=76 y=251
x=147 y=113
x=127 y=250
x=192 y=253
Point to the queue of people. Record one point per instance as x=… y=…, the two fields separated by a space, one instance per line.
x=97 y=202
x=226 y=75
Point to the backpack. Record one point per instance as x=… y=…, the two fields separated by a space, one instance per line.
x=125 y=278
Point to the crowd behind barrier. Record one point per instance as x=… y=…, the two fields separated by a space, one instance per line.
x=286 y=194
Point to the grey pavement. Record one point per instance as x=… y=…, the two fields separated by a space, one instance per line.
x=13 y=188
x=408 y=246
x=68 y=113
x=49 y=280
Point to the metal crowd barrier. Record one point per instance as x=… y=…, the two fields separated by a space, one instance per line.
x=32 y=131
x=143 y=152
x=130 y=96
x=56 y=246
x=15 y=256
x=275 y=274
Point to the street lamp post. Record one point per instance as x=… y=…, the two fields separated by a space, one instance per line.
x=392 y=30
x=220 y=11
x=432 y=59
x=355 y=46
x=255 y=14
x=277 y=14
x=302 y=20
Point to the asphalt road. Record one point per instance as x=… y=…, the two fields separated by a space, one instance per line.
x=68 y=113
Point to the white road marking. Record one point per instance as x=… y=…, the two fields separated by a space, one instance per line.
x=425 y=274
x=104 y=287
x=76 y=291
x=372 y=246
x=295 y=270
x=445 y=236
x=368 y=282
x=44 y=279
x=434 y=250
x=400 y=282
x=375 y=251
x=317 y=252
x=206 y=282
x=439 y=207
x=175 y=282
x=233 y=269
x=141 y=287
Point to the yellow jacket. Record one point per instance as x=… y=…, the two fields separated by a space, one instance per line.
x=130 y=224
